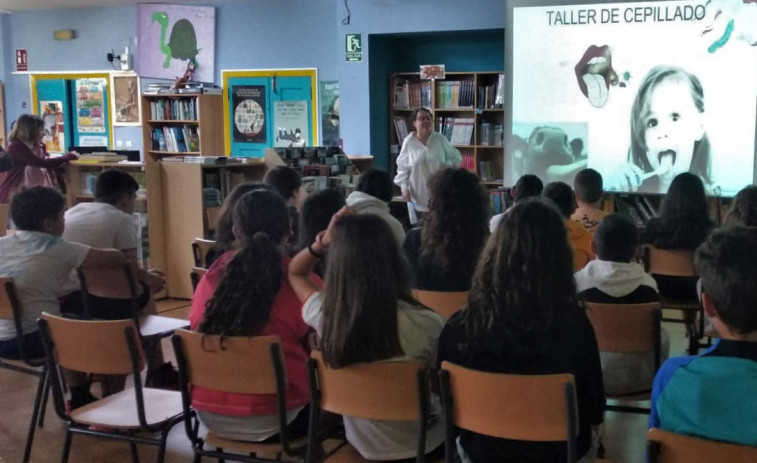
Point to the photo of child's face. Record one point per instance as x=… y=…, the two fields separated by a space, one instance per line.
x=672 y=125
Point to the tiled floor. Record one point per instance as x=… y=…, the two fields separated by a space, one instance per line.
x=623 y=433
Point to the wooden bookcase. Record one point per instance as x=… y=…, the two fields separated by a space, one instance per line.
x=464 y=102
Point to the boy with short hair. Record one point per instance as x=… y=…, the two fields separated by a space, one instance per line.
x=372 y=196
x=589 y=191
x=287 y=182
x=561 y=195
x=712 y=395
x=615 y=278
x=528 y=186
x=40 y=262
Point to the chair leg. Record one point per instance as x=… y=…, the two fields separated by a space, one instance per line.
x=66 y=446
x=45 y=396
x=35 y=414
x=198 y=458
x=162 y=446
x=134 y=454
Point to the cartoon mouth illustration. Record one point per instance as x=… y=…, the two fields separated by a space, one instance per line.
x=595 y=74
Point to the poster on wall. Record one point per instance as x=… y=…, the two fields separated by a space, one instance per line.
x=175 y=37
x=330 y=113
x=249 y=113
x=124 y=97
x=55 y=128
x=90 y=105
x=291 y=121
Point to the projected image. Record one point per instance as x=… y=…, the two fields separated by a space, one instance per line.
x=659 y=88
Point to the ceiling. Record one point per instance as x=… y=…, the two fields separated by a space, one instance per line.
x=9 y=6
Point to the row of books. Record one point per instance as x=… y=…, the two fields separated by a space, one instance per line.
x=400 y=128
x=458 y=130
x=171 y=109
x=468 y=162
x=492 y=96
x=500 y=198
x=412 y=95
x=454 y=94
x=490 y=134
x=637 y=207
x=176 y=139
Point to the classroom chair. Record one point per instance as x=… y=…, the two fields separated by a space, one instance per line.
x=11 y=309
x=442 y=302
x=196 y=275
x=677 y=263
x=4 y=213
x=627 y=328
x=107 y=348
x=200 y=248
x=541 y=408
x=240 y=365
x=668 y=447
x=378 y=391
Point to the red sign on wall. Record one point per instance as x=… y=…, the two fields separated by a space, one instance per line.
x=21 y=62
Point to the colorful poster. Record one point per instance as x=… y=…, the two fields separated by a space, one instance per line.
x=249 y=113
x=291 y=121
x=173 y=37
x=330 y=114
x=90 y=105
x=55 y=128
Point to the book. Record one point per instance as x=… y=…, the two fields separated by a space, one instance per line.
x=101 y=157
x=485 y=171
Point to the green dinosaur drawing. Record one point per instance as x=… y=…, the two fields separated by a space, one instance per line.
x=182 y=43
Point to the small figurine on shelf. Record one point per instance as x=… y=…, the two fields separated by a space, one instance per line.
x=181 y=82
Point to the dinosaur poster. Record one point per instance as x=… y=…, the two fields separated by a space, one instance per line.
x=173 y=36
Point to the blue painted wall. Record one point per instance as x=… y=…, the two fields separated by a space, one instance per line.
x=256 y=34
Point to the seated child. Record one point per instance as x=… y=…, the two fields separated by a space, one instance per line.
x=561 y=195
x=372 y=196
x=615 y=278
x=712 y=395
x=528 y=186
x=40 y=262
x=287 y=182
x=588 y=189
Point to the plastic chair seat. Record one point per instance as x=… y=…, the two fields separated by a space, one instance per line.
x=120 y=410
x=239 y=446
x=161 y=326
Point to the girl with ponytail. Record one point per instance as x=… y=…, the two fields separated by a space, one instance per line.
x=246 y=293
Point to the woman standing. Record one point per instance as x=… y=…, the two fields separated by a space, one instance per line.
x=424 y=151
x=32 y=165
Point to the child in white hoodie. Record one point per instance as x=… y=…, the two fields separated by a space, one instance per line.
x=372 y=196
x=615 y=278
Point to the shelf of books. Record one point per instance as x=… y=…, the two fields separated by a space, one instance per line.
x=467 y=109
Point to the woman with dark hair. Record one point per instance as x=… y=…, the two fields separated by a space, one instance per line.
x=366 y=313
x=743 y=210
x=317 y=210
x=523 y=317
x=423 y=152
x=224 y=236
x=246 y=293
x=443 y=253
x=683 y=223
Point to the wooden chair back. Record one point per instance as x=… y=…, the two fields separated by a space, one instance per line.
x=94 y=346
x=4 y=213
x=200 y=248
x=10 y=307
x=668 y=447
x=626 y=327
x=234 y=364
x=669 y=262
x=520 y=407
x=117 y=283
x=443 y=303
x=196 y=275
x=377 y=390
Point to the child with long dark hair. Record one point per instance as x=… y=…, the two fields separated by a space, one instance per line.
x=523 y=317
x=246 y=293
x=444 y=251
x=366 y=313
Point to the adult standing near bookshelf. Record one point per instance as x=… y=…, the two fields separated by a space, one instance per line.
x=424 y=151
x=32 y=165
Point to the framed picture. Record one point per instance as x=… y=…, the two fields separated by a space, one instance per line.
x=124 y=99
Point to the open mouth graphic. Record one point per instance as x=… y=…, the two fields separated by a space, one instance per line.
x=595 y=74
x=666 y=160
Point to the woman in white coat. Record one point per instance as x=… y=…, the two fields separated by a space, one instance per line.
x=423 y=153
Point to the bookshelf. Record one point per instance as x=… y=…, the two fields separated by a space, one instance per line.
x=190 y=125
x=465 y=110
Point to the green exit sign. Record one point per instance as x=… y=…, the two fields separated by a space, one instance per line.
x=353 y=47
